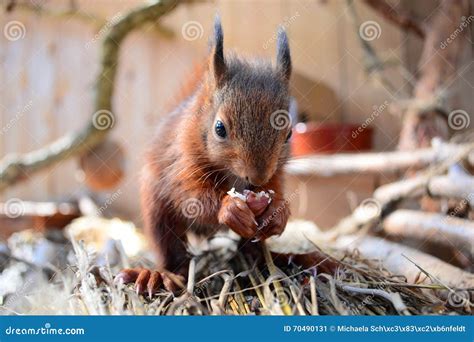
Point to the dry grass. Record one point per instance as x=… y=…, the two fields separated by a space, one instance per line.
x=49 y=274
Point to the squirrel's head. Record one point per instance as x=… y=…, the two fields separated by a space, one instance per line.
x=249 y=127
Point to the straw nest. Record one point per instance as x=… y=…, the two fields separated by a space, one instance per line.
x=72 y=272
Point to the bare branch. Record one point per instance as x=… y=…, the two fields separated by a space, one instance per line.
x=371 y=163
x=392 y=257
x=451 y=232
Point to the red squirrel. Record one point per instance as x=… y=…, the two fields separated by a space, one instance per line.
x=221 y=136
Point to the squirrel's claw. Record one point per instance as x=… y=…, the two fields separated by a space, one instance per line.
x=142 y=281
x=154 y=283
x=273 y=220
x=235 y=214
x=150 y=282
x=128 y=275
x=173 y=282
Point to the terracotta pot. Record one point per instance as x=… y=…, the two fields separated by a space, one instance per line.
x=103 y=166
x=313 y=137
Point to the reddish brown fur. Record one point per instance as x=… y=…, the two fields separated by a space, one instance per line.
x=176 y=169
x=193 y=79
x=187 y=162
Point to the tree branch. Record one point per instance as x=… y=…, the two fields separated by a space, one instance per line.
x=392 y=257
x=387 y=196
x=451 y=232
x=370 y=163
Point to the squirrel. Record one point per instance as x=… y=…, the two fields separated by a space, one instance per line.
x=222 y=135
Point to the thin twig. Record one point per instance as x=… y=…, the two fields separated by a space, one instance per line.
x=394 y=298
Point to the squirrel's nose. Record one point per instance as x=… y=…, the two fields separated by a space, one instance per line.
x=256 y=179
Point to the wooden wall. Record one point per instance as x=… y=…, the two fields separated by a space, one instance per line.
x=47 y=77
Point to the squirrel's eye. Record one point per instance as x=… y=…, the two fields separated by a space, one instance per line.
x=289 y=135
x=220 y=129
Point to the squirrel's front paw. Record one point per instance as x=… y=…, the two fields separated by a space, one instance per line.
x=151 y=281
x=236 y=214
x=274 y=218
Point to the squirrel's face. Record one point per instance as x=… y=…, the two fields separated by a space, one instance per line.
x=250 y=125
x=249 y=131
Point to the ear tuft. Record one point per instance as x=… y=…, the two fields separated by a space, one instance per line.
x=218 y=66
x=283 y=54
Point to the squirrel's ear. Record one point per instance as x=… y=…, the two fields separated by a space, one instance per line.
x=218 y=67
x=283 y=54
